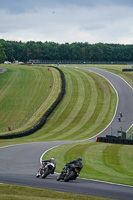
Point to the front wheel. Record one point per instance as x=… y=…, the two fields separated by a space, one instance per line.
x=37 y=176
x=70 y=176
x=59 y=177
x=45 y=173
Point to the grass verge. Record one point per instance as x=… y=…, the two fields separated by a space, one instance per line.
x=87 y=107
x=13 y=192
x=101 y=161
x=26 y=95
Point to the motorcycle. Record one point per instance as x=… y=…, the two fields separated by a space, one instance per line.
x=69 y=173
x=45 y=170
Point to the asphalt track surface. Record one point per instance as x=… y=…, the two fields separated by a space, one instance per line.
x=19 y=163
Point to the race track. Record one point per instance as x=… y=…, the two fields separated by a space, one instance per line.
x=125 y=101
x=19 y=163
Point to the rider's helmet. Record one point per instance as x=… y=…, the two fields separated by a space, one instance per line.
x=79 y=158
x=51 y=159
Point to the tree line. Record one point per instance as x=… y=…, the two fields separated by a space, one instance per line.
x=99 y=52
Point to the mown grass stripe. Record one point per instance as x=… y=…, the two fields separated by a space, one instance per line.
x=86 y=109
x=81 y=112
x=57 y=117
x=87 y=100
x=63 y=110
x=27 y=85
x=17 y=192
x=83 y=124
x=126 y=158
x=103 y=108
x=76 y=104
x=58 y=123
x=96 y=127
x=82 y=87
x=55 y=90
x=102 y=105
x=101 y=161
x=112 y=159
x=75 y=114
x=6 y=81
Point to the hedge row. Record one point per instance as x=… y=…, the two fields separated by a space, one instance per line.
x=115 y=140
x=45 y=116
x=127 y=70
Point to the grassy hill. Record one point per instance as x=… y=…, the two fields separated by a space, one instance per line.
x=26 y=94
x=87 y=107
x=101 y=161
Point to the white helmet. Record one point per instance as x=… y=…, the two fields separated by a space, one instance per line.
x=51 y=159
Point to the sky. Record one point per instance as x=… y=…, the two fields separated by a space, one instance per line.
x=67 y=21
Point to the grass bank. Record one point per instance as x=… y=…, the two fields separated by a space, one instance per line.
x=13 y=192
x=26 y=94
x=87 y=108
x=101 y=161
x=116 y=69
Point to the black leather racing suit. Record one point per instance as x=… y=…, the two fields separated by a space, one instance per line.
x=76 y=163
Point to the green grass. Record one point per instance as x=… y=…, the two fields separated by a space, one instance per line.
x=26 y=95
x=116 y=69
x=101 y=161
x=87 y=107
x=13 y=192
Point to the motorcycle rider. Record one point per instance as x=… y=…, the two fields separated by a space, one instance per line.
x=51 y=160
x=70 y=166
x=76 y=163
x=44 y=162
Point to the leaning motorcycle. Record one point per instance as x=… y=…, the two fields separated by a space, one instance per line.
x=69 y=173
x=45 y=170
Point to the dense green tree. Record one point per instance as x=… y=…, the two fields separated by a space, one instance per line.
x=76 y=51
x=9 y=51
x=2 y=54
x=64 y=51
